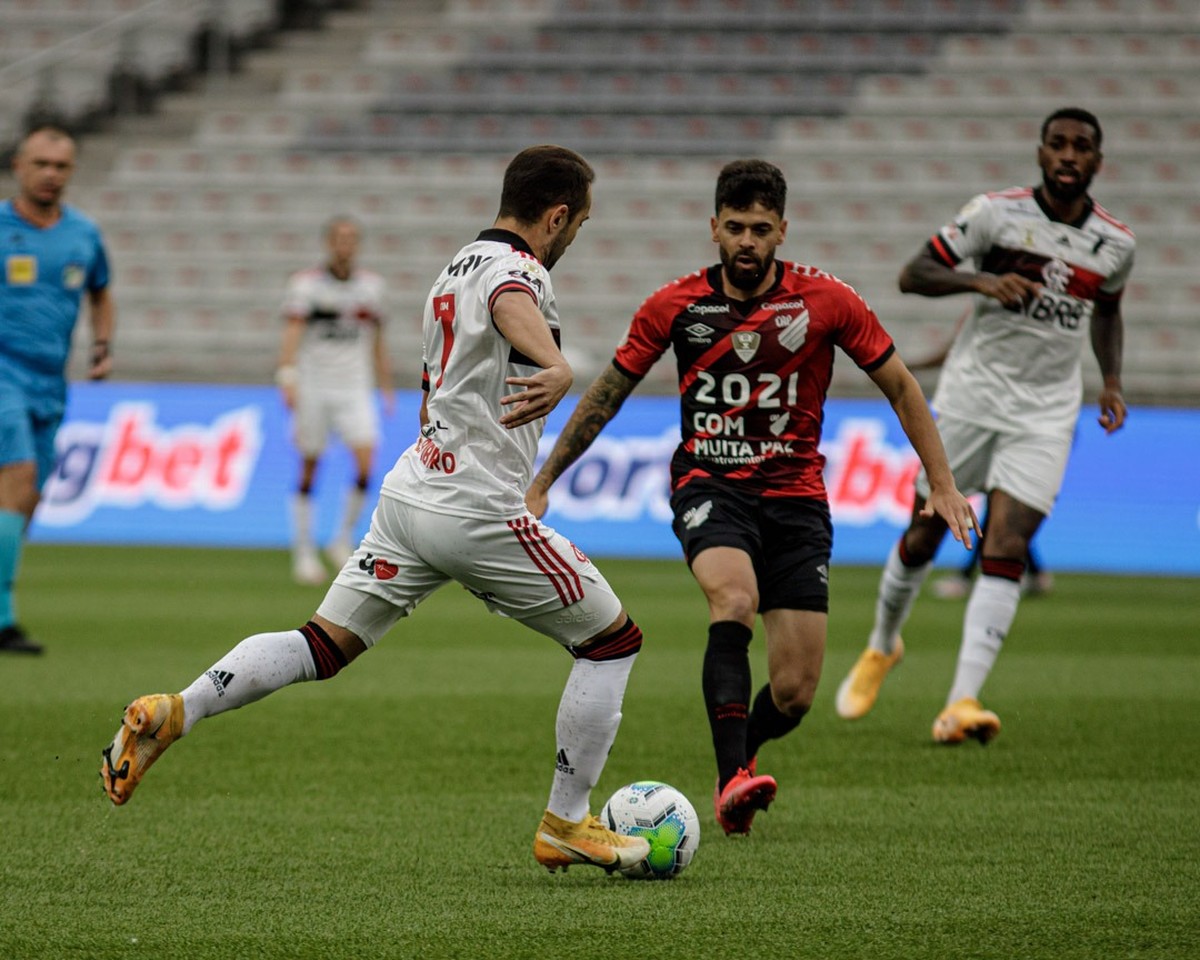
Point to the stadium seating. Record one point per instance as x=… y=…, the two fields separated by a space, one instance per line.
x=72 y=58
x=886 y=115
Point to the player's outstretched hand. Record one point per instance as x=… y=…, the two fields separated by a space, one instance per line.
x=957 y=511
x=540 y=395
x=1112 y=410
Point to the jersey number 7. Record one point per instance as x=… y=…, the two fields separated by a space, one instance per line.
x=443 y=313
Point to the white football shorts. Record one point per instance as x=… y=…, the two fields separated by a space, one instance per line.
x=1027 y=466
x=519 y=568
x=349 y=413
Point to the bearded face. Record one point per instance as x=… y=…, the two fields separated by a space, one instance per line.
x=747 y=240
x=1069 y=157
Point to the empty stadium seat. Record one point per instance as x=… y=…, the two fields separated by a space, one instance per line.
x=885 y=116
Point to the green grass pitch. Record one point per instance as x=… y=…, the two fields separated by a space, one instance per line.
x=390 y=812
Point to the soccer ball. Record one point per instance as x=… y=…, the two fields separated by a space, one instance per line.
x=665 y=817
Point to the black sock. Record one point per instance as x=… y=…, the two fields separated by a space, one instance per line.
x=767 y=722
x=726 y=684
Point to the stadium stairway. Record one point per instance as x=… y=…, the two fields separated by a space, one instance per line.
x=886 y=116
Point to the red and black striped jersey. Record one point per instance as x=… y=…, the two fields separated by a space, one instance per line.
x=753 y=374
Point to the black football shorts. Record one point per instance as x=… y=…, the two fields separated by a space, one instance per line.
x=789 y=540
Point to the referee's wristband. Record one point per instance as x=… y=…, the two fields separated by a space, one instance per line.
x=287 y=376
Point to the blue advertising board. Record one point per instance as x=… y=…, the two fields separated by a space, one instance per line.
x=214 y=466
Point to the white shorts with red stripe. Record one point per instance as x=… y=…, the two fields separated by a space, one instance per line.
x=519 y=568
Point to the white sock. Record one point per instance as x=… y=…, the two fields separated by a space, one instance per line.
x=257 y=666
x=990 y=613
x=588 y=716
x=302 y=511
x=898 y=588
x=350 y=514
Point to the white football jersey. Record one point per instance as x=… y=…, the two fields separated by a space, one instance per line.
x=465 y=463
x=342 y=317
x=1021 y=369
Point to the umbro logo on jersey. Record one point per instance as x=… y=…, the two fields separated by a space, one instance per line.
x=745 y=344
x=697 y=515
x=221 y=680
x=700 y=332
x=563 y=764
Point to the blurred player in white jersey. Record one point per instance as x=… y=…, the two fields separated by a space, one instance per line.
x=330 y=361
x=453 y=508
x=1050 y=265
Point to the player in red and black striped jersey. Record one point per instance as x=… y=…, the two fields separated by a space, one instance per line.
x=754 y=340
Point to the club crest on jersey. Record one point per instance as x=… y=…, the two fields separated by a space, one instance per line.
x=745 y=344
x=794 y=330
x=1056 y=274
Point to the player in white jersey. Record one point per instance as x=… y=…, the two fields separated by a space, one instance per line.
x=453 y=509
x=331 y=358
x=1050 y=265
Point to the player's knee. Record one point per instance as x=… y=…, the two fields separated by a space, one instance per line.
x=733 y=602
x=1006 y=544
x=794 y=697
x=919 y=543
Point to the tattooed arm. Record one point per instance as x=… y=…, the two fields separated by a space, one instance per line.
x=595 y=408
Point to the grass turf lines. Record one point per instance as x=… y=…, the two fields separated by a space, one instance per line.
x=390 y=812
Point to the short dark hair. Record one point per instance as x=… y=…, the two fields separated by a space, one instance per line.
x=1074 y=113
x=742 y=183
x=45 y=125
x=542 y=177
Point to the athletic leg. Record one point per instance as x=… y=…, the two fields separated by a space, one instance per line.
x=306 y=565
x=996 y=595
x=342 y=544
x=727 y=577
x=25 y=451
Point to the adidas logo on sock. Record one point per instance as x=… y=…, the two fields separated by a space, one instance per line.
x=221 y=679
x=564 y=765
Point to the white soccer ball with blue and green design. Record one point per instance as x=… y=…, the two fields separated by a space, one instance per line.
x=665 y=817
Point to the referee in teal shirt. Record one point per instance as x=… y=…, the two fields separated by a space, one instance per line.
x=53 y=256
